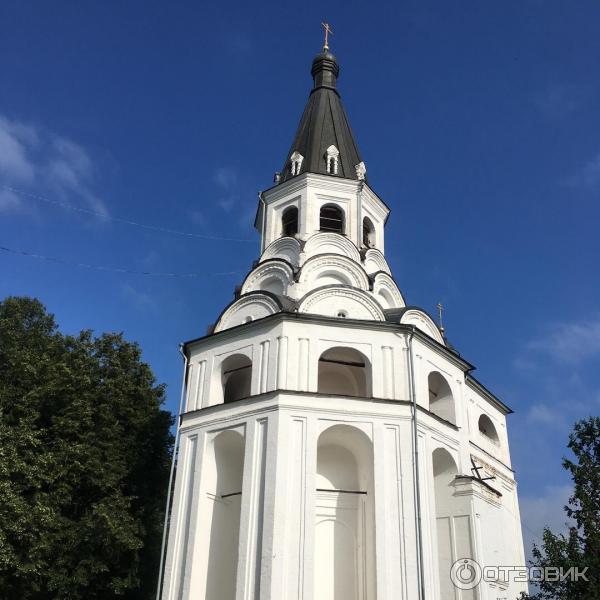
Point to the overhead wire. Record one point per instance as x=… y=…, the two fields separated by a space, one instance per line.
x=105 y=216
x=54 y=259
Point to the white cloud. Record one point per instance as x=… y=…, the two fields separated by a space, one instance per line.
x=588 y=177
x=43 y=162
x=545 y=510
x=561 y=99
x=226 y=179
x=139 y=300
x=569 y=343
x=9 y=201
x=549 y=415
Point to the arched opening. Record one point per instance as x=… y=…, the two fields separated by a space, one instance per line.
x=344 y=519
x=344 y=372
x=486 y=428
x=441 y=401
x=332 y=219
x=220 y=513
x=368 y=233
x=273 y=285
x=289 y=221
x=236 y=377
x=453 y=525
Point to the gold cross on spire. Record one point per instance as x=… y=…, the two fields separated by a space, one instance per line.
x=440 y=308
x=328 y=31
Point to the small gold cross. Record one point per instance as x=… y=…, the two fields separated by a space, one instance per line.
x=440 y=308
x=328 y=31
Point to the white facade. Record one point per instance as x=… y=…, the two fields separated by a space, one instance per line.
x=329 y=436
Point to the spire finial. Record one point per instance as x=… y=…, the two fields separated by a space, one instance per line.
x=328 y=31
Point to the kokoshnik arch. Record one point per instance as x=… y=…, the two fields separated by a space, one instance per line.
x=333 y=445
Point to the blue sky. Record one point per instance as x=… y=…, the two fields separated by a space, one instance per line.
x=478 y=122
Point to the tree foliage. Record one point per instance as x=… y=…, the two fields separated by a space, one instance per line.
x=580 y=547
x=84 y=462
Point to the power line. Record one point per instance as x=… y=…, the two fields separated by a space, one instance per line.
x=109 y=269
x=123 y=221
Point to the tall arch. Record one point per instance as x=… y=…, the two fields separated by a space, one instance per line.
x=453 y=523
x=220 y=514
x=331 y=218
x=344 y=521
x=236 y=377
x=344 y=372
x=441 y=400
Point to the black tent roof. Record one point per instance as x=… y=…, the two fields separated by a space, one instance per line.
x=324 y=123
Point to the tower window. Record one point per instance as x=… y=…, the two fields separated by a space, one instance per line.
x=332 y=156
x=296 y=163
x=236 y=377
x=332 y=219
x=368 y=233
x=441 y=400
x=289 y=221
x=486 y=428
x=344 y=372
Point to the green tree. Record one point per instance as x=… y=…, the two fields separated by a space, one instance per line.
x=580 y=547
x=84 y=462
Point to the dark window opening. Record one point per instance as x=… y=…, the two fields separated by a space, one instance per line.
x=289 y=221
x=332 y=219
x=236 y=377
x=368 y=233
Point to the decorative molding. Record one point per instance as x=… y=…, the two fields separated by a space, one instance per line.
x=422 y=321
x=355 y=295
x=375 y=258
x=284 y=248
x=335 y=264
x=383 y=282
x=361 y=171
x=296 y=160
x=330 y=243
x=243 y=304
x=282 y=271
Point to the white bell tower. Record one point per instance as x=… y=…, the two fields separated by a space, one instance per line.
x=333 y=445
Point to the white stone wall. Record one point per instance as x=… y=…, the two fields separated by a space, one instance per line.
x=281 y=424
x=308 y=193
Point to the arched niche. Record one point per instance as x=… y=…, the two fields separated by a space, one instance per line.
x=344 y=372
x=487 y=429
x=236 y=377
x=333 y=269
x=219 y=514
x=441 y=400
x=453 y=522
x=344 y=520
